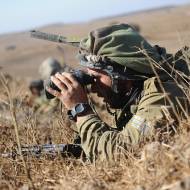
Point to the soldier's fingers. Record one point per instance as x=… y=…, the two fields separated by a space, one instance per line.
x=60 y=84
x=64 y=79
x=53 y=92
x=70 y=77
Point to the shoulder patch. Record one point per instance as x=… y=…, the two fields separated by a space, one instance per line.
x=140 y=124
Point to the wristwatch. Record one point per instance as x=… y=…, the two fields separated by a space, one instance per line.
x=79 y=110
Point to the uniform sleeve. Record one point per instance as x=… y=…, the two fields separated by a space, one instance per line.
x=99 y=141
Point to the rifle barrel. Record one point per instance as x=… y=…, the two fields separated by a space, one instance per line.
x=53 y=38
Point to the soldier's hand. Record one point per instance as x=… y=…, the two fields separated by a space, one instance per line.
x=72 y=91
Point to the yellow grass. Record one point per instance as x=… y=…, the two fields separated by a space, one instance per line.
x=154 y=166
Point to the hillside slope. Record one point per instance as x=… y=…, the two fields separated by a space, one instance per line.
x=21 y=55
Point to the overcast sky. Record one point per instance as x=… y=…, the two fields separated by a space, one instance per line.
x=18 y=15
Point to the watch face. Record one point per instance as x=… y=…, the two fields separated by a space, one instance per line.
x=79 y=108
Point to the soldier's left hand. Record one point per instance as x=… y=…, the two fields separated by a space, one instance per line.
x=72 y=91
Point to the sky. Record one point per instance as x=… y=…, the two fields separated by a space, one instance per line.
x=20 y=15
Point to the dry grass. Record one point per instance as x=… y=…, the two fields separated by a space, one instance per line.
x=156 y=166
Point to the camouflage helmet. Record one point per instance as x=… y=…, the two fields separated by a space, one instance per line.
x=119 y=46
x=49 y=67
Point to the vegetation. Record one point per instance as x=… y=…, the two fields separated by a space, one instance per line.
x=153 y=166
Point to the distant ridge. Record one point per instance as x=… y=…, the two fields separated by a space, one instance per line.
x=21 y=55
x=136 y=12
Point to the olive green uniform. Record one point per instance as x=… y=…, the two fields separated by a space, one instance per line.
x=120 y=51
x=154 y=110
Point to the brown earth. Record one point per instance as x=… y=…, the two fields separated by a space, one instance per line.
x=21 y=55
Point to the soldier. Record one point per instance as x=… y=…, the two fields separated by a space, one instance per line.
x=38 y=99
x=49 y=67
x=36 y=87
x=40 y=103
x=134 y=78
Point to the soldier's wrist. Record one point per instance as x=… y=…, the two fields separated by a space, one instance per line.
x=79 y=110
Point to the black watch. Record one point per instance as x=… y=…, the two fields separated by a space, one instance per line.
x=79 y=110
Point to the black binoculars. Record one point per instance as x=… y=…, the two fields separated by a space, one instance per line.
x=83 y=78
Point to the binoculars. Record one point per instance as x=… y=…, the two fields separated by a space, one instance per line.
x=83 y=78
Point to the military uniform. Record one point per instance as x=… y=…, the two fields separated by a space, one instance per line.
x=156 y=109
x=122 y=52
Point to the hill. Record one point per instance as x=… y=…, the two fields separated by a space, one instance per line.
x=21 y=55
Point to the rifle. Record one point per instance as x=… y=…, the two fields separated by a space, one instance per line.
x=71 y=150
x=53 y=38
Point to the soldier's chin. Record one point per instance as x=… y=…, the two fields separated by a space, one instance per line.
x=116 y=101
x=115 y=106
